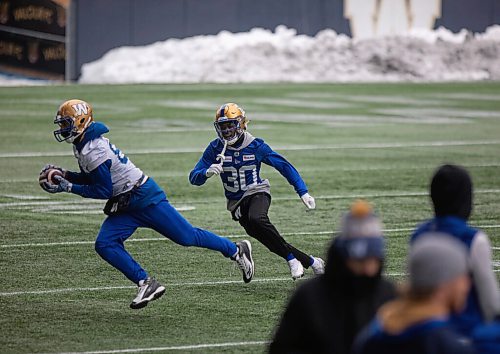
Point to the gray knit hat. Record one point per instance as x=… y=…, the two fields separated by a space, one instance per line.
x=434 y=259
x=361 y=233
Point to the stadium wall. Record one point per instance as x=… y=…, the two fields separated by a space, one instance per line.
x=96 y=26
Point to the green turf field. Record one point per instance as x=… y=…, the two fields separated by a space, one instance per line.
x=376 y=141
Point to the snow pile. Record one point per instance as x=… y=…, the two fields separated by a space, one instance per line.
x=11 y=80
x=283 y=56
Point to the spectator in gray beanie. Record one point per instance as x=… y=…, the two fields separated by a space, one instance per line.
x=417 y=322
x=451 y=194
x=326 y=313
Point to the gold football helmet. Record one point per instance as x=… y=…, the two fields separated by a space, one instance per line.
x=73 y=117
x=230 y=122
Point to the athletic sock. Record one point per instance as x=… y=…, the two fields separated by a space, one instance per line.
x=233 y=257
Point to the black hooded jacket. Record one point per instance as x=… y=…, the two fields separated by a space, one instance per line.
x=326 y=313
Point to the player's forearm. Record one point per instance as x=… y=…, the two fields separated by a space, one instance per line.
x=198 y=176
x=293 y=177
x=92 y=191
x=484 y=278
x=287 y=170
x=76 y=177
x=99 y=185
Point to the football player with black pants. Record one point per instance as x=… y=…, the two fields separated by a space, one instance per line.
x=237 y=156
x=255 y=220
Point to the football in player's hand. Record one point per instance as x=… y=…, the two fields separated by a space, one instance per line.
x=49 y=175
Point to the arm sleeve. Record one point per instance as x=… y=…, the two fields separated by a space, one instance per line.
x=272 y=158
x=484 y=278
x=197 y=175
x=77 y=177
x=100 y=186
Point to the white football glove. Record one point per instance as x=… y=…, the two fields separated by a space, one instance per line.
x=308 y=201
x=214 y=169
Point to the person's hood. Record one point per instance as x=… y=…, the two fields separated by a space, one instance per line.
x=398 y=315
x=451 y=192
x=95 y=130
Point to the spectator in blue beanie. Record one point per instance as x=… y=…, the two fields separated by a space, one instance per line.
x=417 y=323
x=451 y=194
x=326 y=313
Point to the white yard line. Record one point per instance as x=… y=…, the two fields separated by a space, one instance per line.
x=152 y=239
x=201 y=283
x=184 y=174
x=396 y=145
x=186 y=203
x=104 y=288
x=155 y=239
x=180 y=347
x=382 y=195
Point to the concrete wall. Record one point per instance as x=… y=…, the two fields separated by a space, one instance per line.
x=97 y=26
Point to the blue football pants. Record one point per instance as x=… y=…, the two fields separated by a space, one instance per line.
x=161 y=217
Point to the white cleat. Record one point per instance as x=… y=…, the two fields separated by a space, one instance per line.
x=318 y=266
x=149 y=290
x=296 y=269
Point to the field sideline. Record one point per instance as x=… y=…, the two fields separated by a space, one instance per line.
x=375 y=141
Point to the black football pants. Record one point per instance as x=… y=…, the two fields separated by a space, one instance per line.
x=255 y=220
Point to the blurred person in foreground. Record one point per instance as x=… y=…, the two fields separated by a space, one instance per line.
x=451 y=194
x=417 y=322
x=326 y=313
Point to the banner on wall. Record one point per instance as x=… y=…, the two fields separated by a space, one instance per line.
x=33 y=37
x=372 y=18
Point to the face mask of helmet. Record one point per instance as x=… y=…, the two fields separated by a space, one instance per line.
x=229 y=130
x=66 y=129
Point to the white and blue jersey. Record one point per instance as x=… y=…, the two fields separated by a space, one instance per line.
x=241 y=169
x=106 y=172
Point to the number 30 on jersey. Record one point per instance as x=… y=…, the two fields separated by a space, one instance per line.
x=237 y=180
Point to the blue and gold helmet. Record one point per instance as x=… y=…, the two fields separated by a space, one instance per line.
x=230 y=122
x=72 y=117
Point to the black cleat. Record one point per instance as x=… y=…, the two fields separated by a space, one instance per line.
x=244 y=260
x=150 y=290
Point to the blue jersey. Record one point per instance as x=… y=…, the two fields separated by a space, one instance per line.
x=241 y=167
x=432 y=336
x=471 y=316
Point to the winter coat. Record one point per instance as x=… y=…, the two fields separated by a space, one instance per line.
x=326 y=313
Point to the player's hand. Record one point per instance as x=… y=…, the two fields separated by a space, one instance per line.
x=214 y=169
x=308 y=201
x=50 y=188
x=64 y=185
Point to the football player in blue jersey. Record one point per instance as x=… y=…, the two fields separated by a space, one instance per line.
x=237 y=157
x=451 y=192
x=134 y=200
